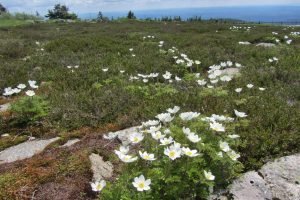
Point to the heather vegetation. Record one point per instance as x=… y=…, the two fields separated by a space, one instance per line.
x=85 y=79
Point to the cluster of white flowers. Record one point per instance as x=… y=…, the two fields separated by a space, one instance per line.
x=149 y=37
x=237 y=28
x=295 y=33
x=249 y=86
x=9 y=91
x=184 y=60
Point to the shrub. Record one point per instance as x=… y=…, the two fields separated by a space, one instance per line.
x=29 y=109
x=184 y=176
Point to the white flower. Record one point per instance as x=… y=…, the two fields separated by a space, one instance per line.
x=214 y=81
x=167 y=75
x=133 y=55
x=250 y=86
x=173 y=110
x=177 y=78
x=233 y=136
x=197 y=75
x=238 y=90
x=136 y=138
x=157 y=135
x=289 y=41
x=197 y=62
x=186 y=131
x=127 y=158
x=141 y=184
x=105 y=69
x=262 y=89
x=193 y=137
x=153 y=129
x=187 y=116
x=224 y=146
x=190 y=153
x=167 y=131
x=238 y=65
x=145 y=80
x=147 y=156
x=98 y=185
x=240 y=114
x=173 y=152
x=201 y=82
x=233 y=155
x=122 y=150
x=131 y=49
x=209 y=176
x=16 y=90
x=30 y=93
x=166 y=141
x=165 y=117
x=21 y=86
x=217 y=127
x=76 y=66
x=33 y=84
x=220 y=154
x=122 y=71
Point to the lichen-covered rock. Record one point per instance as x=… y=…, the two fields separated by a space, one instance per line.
x=4 y=107
x=24 y=150
x=283 y=177
x=231 y=71
x=101 y=169
x=71 y=142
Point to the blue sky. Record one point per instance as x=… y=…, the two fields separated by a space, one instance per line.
x=84 y=6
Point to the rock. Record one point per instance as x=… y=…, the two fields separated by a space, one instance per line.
x=5 y=135
x=101 y=170
x=24 y=150
x=123 y=135
x=231 y=71
x=283 y=177
x=245 y=43
x=275 y=180
x=71 y=142
x=265 y=45
x=4 y=107
x=249 y=187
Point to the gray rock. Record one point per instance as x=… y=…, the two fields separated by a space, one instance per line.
x=249 y=187
x=276 y=180
x=101 y=170
x=265 y=45
x=231 y=71
x=4 y=107
x=71 y=142
x=283 y=177
x=24 y=150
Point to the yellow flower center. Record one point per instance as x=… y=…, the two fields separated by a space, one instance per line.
x=147 y=157
x=136 y=139
x=99 y=187
x=172 y=154
x=141 y=185
x=189 y=153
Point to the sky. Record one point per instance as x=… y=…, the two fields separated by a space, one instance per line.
x=86 y=6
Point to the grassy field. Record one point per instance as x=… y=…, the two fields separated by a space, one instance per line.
x=95 y=97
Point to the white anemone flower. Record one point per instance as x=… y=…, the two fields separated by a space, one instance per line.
x=186 y=131
x=122 y=150
x=240 y=114
x=110 y=136
x=177 y=78
x=187 y=116
x=127 y=158
x=190 y=153
x=224 y=146
x=157 y=135
x=141 y=184
x=30 y=93
x=21 y=86
x=233 y=155
x=226 y=78
x=98 y=185
x=214 y=81
x=16 y=90
x=173 y=110
x=166 y=141
x=238 y=90
x=136 y=138
x=131 y=49
x=173 y=152
x=165 y=117
x=122 y=71
x=197 y=62
x=201 y=82
x=105 y=69
x=250 y=86
x=262 y=89
x=209 y=176
x=167 y=131
x=147 y=156
x=220 y=154
x=32 y=84
x=217 y=127
x=150 y=123
x=167 y=75
x=194 y=138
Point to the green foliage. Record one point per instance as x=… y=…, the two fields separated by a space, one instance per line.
x=29 y=109
x=182 y=178
x=131 y=15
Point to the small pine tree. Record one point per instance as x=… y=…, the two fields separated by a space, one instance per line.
x=100 y=16
x=2 y=9
x=131 y=15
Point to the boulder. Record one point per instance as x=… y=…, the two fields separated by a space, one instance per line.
x=101 y=169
